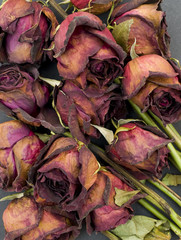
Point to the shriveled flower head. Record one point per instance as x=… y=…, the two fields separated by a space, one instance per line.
x=153 y=83
x=63 y=173
x=21 y=92
x=19 y=149
x=141 y=149
x=27 y=28
x=86 y=50
x=25 y=219
x=93 y=6
x=80 y=108
x=101 y=209
x=144 y=22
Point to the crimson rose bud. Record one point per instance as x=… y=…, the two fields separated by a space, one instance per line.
x=140 y=148
x=27 y=29
x=25 y=219
x=19 y=148
x=153 y=83
x=99 y=207
x=86 y=50
x=80 y=108
x=21 y=92
x=151 y=37
x=63 y=173
x=94 y=6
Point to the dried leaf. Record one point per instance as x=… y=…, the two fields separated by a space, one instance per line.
x=123 y=197
x=171 y=179
x=107 y=134
x=121 y=33
x=132 y=51
x=143 y=228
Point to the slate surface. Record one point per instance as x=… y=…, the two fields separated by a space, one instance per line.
x=173 y=13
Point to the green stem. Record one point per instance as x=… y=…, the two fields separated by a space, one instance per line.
x=146 y=117
x=169 y=129
x=167 y=208
x=166 y=190
x=57 y=7
x=155 y=212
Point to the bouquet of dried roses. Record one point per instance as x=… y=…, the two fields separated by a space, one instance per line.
x=74 y=154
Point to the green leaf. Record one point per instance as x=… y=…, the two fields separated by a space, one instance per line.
x=139 y=228
x=171 y=179
x=121 y=33
x=132 y=51
x=107 y=134
x=161 y=231
x=123 y=197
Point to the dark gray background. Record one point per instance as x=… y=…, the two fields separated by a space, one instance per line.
x=173 y=13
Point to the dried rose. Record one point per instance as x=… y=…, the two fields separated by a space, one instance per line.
x=151 y=37
x=21 y=90
x=93 y=6
x=100 y=209
x=63 y=173
x=26 y=30
x=153 y=83
x=86 y=50
x=25 y=219
x=19 y=148
x=80 y=108
x=144 y=160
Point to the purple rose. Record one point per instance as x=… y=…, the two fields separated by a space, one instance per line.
x=151 y=37
x=21 y=91
x=86 y=50
x=63 y=173
x=26 y=30
x=153 y=83
x=19 y=148
x=25 y=219
x=80 y=108
x=143 y=160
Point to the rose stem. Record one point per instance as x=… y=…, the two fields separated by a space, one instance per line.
x=157 y=183
x=169 y=129
x=173 y=152
x=167 y=208
x=159 y=215
x=59 y=9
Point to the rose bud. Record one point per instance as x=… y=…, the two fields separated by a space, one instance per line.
x=80 y=108
x=21 y=91
x=100 y=207
x=96 y=56
x=27 y=29
x=95 y=6
x=143 y=160
x=25 y=219
x=19 y=148
x=153 y=83
x=151 y=37
x=63 y=173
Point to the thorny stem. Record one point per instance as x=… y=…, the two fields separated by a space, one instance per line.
x=166 y=207
x=58 y=8
x=146 y=117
